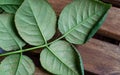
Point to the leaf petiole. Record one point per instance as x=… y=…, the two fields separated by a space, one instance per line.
x=30 y=49
x=19 y=51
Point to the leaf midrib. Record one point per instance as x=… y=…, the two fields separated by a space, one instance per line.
x=17 y=44
x=20 y=59
x=61 y=61
x=37 y=23
x=70 y=30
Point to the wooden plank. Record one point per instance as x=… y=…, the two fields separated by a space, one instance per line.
x=59 y=5
x=111 y=27
x=100 y=57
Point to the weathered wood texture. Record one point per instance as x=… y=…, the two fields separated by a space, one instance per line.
x=101 y=57
x=111 y=27
x=59 y=5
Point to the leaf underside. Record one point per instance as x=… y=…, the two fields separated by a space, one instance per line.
x=37 y=23
x=11 y=66
x=8 y=37
x=10 y=6
x=61 y=59
x=80 y=17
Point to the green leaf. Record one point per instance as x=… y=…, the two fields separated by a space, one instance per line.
x=12 y=66
x=62 y=59
x=10 y=6
x=8 y=38
x=37 y=24
x=80 y=20
x=1 y=10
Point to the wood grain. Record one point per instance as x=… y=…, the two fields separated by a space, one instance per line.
x=111 y=27
x=59 y=5
x=100 y=57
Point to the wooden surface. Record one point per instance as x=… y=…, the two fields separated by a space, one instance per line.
x=111 y=27
x=101 y=57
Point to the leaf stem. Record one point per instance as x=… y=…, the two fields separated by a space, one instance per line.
x=19 y=51
x=30 y=49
